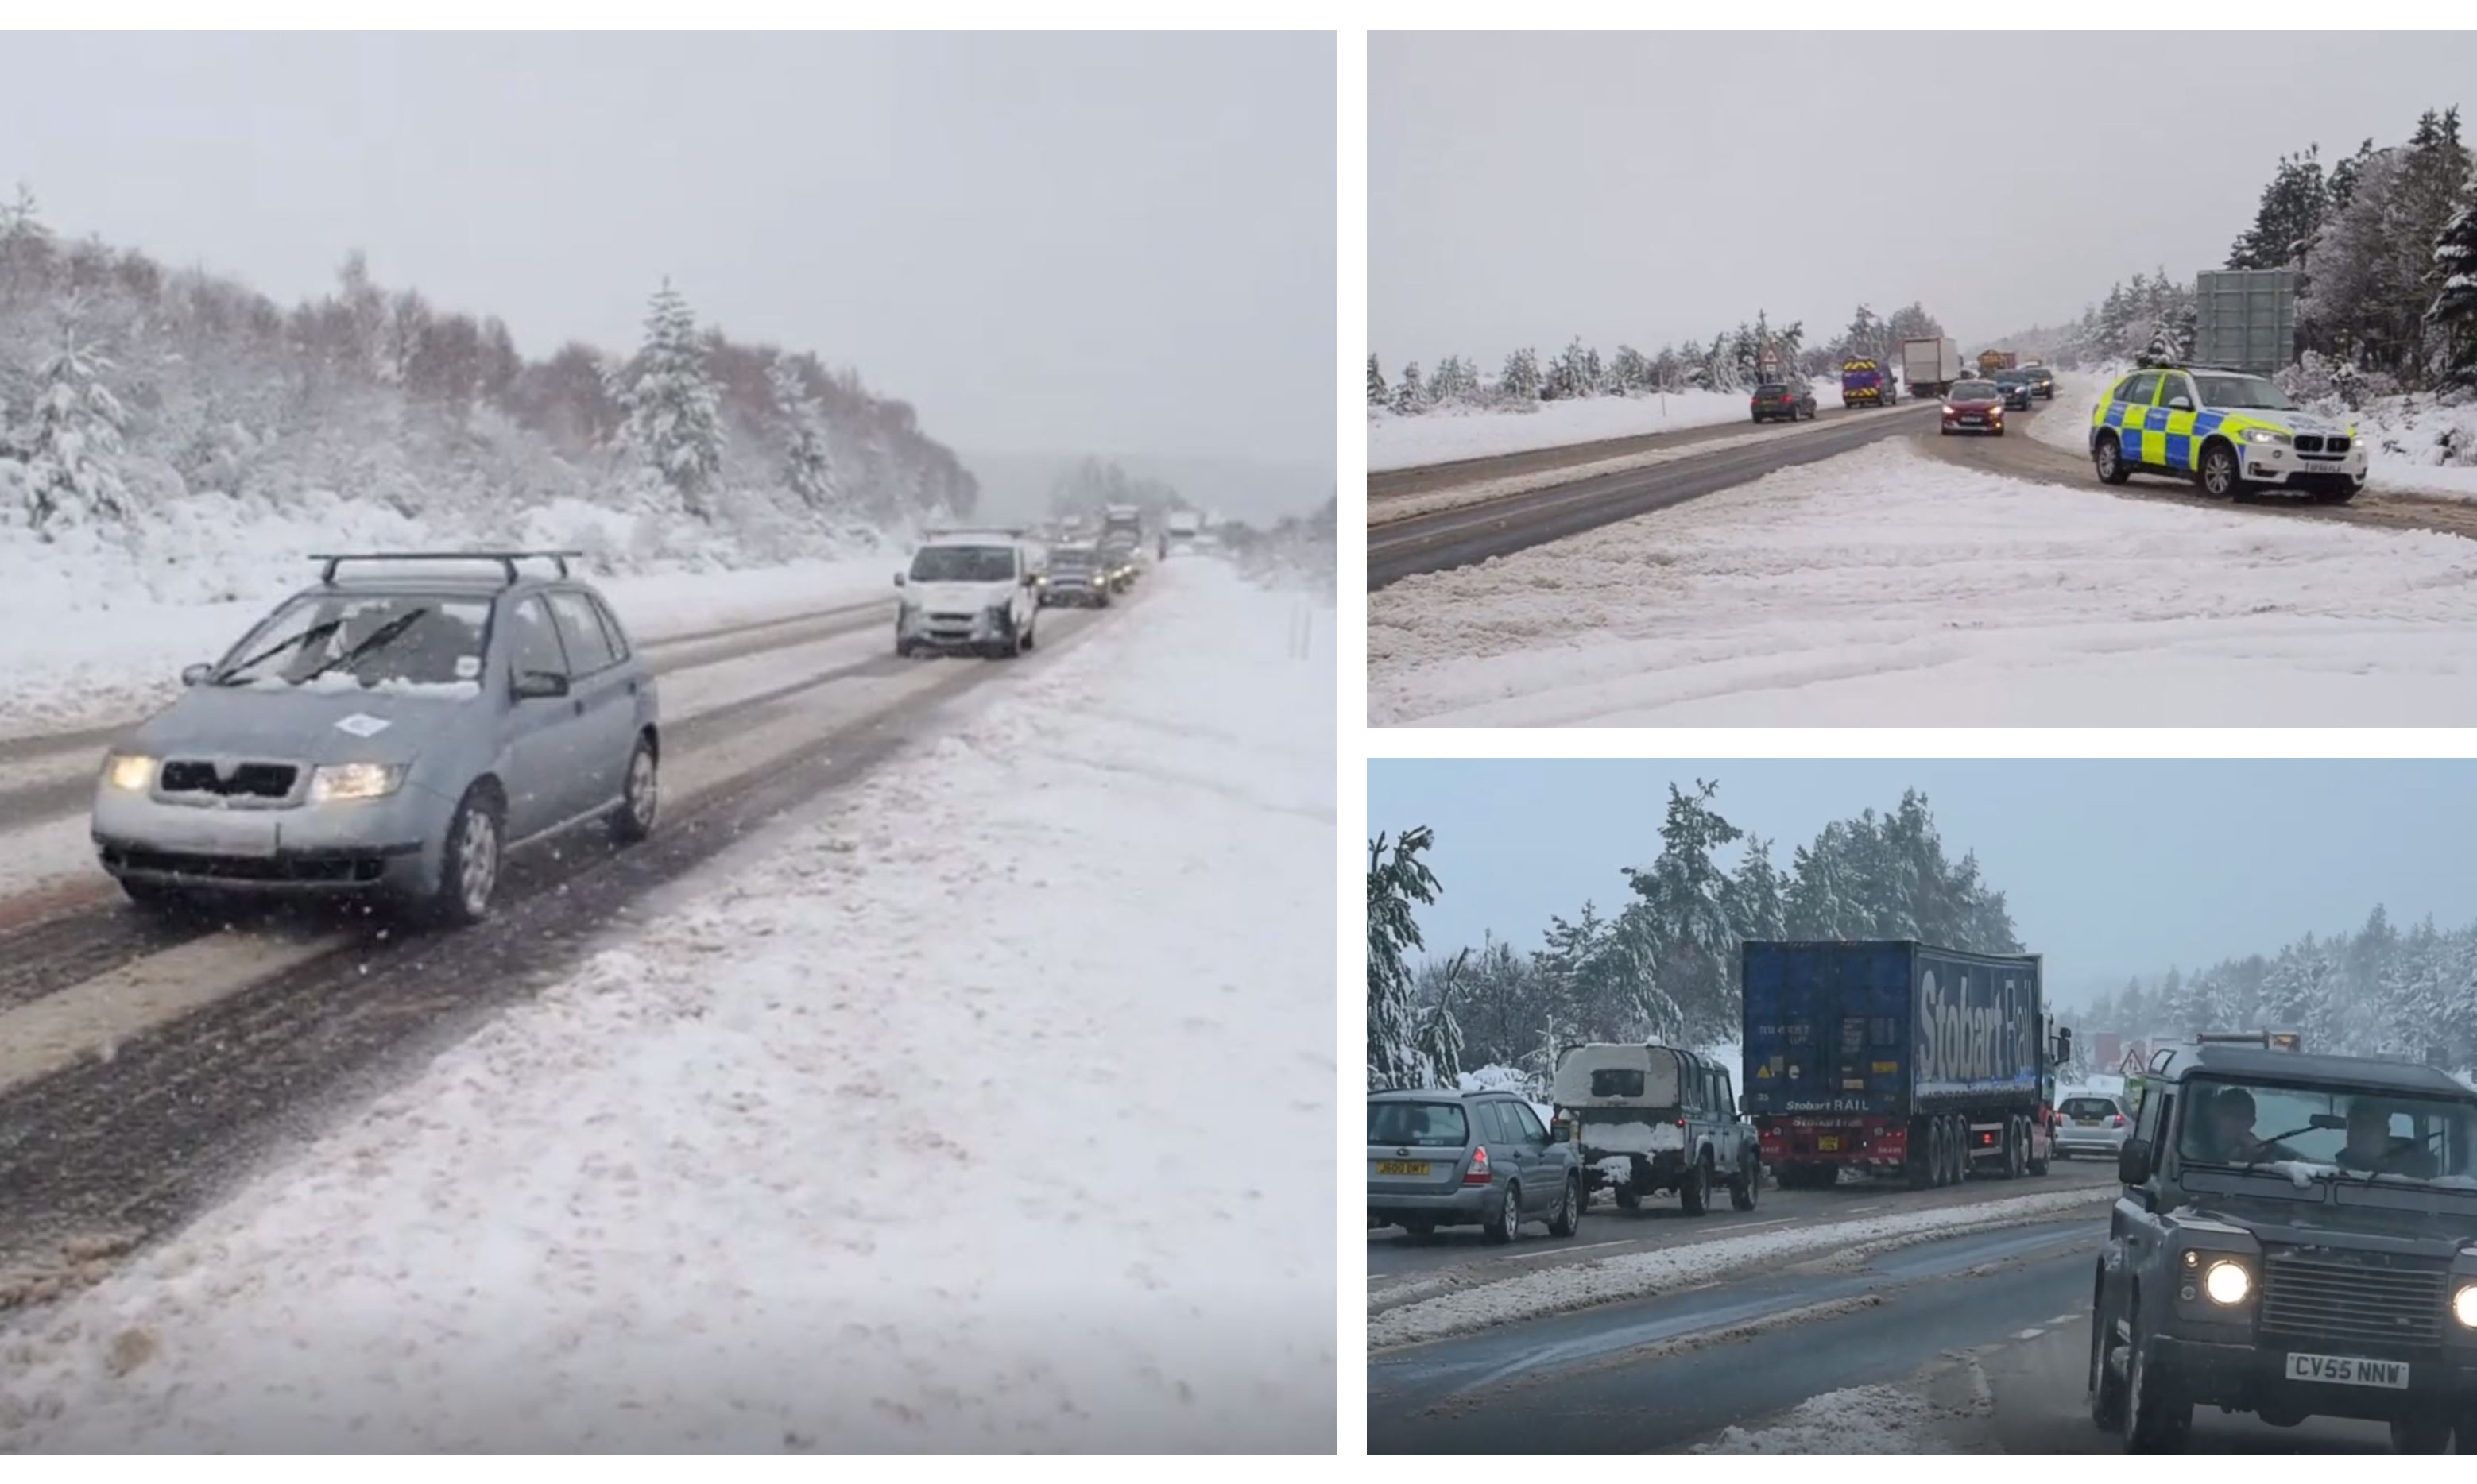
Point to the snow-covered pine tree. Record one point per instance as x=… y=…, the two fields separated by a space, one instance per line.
x=808 y=470
x=2452 y=314
x=72 y=446
x=1685 y=900
x=2291 y=211
x=1409 y=395
x=674 y=419
x=1397 y=879
x=1521 y=376
x=1376 y=393
x=1439 y=1037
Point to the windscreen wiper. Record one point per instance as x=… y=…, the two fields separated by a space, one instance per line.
x=230 y=674
x=380 y=638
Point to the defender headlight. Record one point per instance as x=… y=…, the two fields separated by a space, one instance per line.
x=2228 y=1283
x=346 y=781
x=2265 y=435
x=2464 y=1305
x=129 y=772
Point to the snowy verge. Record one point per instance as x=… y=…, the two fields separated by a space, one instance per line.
x=92 y=631
x=895 y=1130
x=1870 y=1419
x=1885 y=586
x=1449 y=432
x=1647 y=1274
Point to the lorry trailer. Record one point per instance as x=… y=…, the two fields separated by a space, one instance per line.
x=1930 y=366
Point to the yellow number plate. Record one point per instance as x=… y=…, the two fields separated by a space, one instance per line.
x=1827 y=1145
x=1401 y=1167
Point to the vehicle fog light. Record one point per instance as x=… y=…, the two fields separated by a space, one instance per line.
x=2228 y=1282
x=2464 y=1305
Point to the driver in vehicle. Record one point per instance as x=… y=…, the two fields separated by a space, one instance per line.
x=2372 y=1149
x=2230 y=1131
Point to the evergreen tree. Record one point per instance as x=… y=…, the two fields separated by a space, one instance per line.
x=806 y=469
x=74 y=448
x=1439 y=1037
x=1521 y=376
x=1376 y=393
x=2452 y=315
x=2290 y=212
x=1684 y=897
x=1409 y=396
x=673 y=408
x=1396 y=879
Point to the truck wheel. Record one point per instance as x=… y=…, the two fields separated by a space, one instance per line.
x=2157 y=1420
x=1694 y=1188
x=2109 y=460
x=1504 y=1222
x=1569 y=1209
x=1943 y=1151
x=1747 y=1188
x=1919 y=1167
x=2037 y=1162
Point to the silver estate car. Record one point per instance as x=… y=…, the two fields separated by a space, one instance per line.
x=1439 y=1158
x=389 y=734
x=2091 y=1124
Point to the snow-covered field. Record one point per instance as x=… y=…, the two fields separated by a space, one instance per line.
x=2403 y=436
x=1886 y=587
x=1442 y=434
x=1645 y=1274
x=92 y=631
x=988 y=1106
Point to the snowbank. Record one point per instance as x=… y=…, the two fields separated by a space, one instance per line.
x=1445 y=434
x=93 y=631
x=905 y=1129
x=1645 y=1274
x=1885 y=586
x=1862 y=1420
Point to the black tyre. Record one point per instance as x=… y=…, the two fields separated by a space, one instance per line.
x=1694 y=1189
x=902 y=648
x=640 y=797
x=1567 y=1218
x=1919 y=1167
x=1629 y=1198
x=1939 y=1155
x=1503 y=1222
x=468 y=869
x=1747 y=1188
x=2109 y=460
x=2423 y=1434
x=2106 y=1381
x=2158 y=1418
x=2217 y=475
x=2016 y=1148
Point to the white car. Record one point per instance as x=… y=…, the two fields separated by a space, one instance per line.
x=969 y=591
x=2091 y=1124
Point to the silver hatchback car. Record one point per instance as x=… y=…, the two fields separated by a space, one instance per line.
x=391 y=734
x=2091 y=1124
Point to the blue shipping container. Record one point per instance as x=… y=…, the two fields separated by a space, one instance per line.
x=1889 y=1029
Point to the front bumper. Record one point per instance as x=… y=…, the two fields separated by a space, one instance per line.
x=958 y=632
x=2278 y=464
x=1993 y=423
x=393 y=843
x=2253 y=1378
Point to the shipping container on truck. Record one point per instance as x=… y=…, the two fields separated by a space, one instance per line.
x=1897 y=1058
x=1929 y=367
x=2244 y=319
x=1866 y=383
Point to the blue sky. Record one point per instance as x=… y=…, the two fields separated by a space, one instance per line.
x=2111 y=868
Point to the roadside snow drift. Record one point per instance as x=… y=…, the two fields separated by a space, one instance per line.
x=1886 y=587
x=1448 y=432
x=1863 y=1420
x=989 y=1107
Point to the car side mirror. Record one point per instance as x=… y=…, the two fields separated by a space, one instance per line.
x=2181 y=404
x=2133 y=1162
x=539 y=686
x=898 y=580
x=195 y=674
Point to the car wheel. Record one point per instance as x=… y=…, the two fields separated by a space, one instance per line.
x=2105 y=1384
x=1569 y=1209
x=2109 y=460
x=1504 y=1222
x=468 y=869
x=640 y=798
x=902 y=648
x=1747 y=1188
x=1694 y=1189
x=2423 y=1434
x=2217 y=474
x=2156 y=1419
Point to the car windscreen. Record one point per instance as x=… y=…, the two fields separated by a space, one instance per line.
x=1965 y=390
x=964 y=564
x=2350 y=1130
x=1072 y=558
x=1421 y=1124
x=2242 y=391
x=1772 y=389
x=2089 y=1108
x=338 y=640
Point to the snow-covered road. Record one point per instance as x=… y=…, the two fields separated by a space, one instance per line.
x=914 y=1124
x=1885 y=588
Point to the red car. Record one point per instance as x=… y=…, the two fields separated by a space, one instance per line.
x=1974 y=406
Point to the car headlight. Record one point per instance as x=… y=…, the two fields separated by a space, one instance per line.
x=2228 y=1283
x=2265 y=435
x=2464 y=1305
x=129 y=772
x=346 y=781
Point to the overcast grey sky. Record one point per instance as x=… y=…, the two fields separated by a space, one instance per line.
x=1056 y=243
x=1646 y=188
x=2111 y=868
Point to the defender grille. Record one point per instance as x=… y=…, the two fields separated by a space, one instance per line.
x=2323 y=1299
x=251 y=780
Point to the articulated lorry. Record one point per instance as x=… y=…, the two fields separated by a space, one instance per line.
x=1929 y=367
x=1898 y=1058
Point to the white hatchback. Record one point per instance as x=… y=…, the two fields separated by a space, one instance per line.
x=2091 y=1124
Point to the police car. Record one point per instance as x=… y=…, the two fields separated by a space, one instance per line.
x=2230 y=433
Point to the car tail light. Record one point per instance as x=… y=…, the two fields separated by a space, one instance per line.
x=2116 y=1120
x=1477 y=1174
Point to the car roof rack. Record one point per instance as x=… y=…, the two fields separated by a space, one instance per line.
x=1017 y=532
x=507 y=560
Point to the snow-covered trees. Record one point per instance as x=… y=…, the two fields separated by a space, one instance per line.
x=1520 y=378
x=2290 y=212
x=1397 y=879
x=1376 y=396
x=1410 y=395
x=2451 y=318
x=673 y=409
x=807 y=470
x=72 y=442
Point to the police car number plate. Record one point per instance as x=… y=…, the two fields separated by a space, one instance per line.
x=2348 y=1370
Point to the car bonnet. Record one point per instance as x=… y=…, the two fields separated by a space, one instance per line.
x=313 y=726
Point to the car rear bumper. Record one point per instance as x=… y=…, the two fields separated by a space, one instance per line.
x=1458 y=1205
x=2253 y=1378
x=2089 y=1141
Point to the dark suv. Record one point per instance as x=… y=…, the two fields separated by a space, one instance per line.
x=2297 y=1237
x=1779 y=399
x=2043 y=381
x=2015 y=387
x=1439 y=1158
